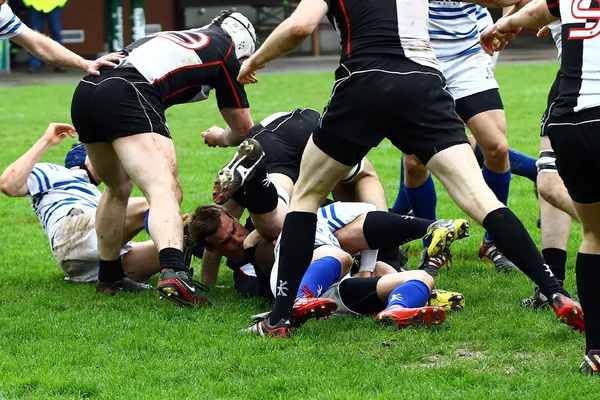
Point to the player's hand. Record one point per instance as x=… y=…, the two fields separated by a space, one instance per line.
x=56 y=132
x=93 y=67
x=211 y=136
x=248 y=71
x=543 y=31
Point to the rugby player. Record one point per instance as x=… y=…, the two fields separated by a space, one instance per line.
x=120 y=117
x=65 y=200
x=572 y=127
x=388 y=77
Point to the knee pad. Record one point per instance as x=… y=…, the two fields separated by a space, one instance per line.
x=546 y=162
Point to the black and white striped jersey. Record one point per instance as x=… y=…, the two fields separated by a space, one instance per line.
x=383 y=27
x=580 y=66
x=182 y=65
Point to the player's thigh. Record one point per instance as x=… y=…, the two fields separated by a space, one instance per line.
x=489 y=129
x=150 y=161
x=319 y=173
x=107 y=165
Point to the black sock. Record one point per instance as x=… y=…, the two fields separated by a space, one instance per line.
x=295 y=253
x=110 y=271
x=557 y=260
x=391 y=256
x=513 y=240
x=171 y=258
x=261 y=194
x=588 y=281
x=384 y=229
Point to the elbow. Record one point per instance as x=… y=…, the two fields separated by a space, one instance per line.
x=5 y=188
x=300 y=30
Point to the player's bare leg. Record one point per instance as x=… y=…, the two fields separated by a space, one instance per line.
x=110 y=219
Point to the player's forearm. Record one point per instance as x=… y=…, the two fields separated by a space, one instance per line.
x=533 y=15
x=210 y=268
x=54 y=53
x=285 y=38
x=230 y=138
x=16 y=175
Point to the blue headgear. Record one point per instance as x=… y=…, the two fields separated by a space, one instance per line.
x=76 y=156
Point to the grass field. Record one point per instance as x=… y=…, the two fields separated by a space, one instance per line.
x=61 y=341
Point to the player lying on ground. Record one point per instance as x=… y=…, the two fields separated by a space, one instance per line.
x=398 y=298
x=264 y=186
x=65 y=201
x=357 y=227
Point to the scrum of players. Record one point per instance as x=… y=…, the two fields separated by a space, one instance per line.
x=313 y=256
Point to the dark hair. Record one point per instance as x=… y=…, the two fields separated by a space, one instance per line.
x=205 y=222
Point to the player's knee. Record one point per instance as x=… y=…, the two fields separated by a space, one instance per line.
x=425 y=278
x=346 y=261
x=497 y=151
x=413 y=164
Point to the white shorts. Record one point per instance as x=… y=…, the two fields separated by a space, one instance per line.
x=470 y=74
x=75 y=247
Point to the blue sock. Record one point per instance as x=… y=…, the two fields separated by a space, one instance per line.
x=146 y=216
x=423 y=200
x=479 y=155
x=402 y=204
x=522 y=165
x=320 y=274
x=411 y=294
x=500 y=184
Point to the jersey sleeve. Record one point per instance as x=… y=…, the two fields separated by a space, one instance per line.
x=42 y=178
x=10 y=24
x=554 y=7
x=230 y=93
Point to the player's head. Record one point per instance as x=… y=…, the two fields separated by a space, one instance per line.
x=241 y=31
x=215 y=228
x=77 y=158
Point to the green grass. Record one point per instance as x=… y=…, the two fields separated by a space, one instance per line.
x=59 y=340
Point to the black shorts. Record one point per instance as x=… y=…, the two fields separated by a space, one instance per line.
x=118 y=103
x=552 y=95
x=284 y=138
x=252 y=286
x=388 y=97
x=575 y=138
x=360 y=295
x=468 y=107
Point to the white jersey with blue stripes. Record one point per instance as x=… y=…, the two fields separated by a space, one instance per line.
x=454 y=27
x=10 y=24
x=335 y=216
x=55 y=190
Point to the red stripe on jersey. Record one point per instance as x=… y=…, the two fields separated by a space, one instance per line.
x=552 y=3
x=347 y=28
x=181 y=90
x=229 y=52
x=186 y=67
x=237 y=99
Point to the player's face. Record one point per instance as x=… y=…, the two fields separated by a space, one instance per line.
x=229 y=239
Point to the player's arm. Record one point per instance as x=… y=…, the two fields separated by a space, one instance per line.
x=239 y=121
x=533 y=15
x=209 y=272
x=285 y=38
x=54 y=53
x=13 y=181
